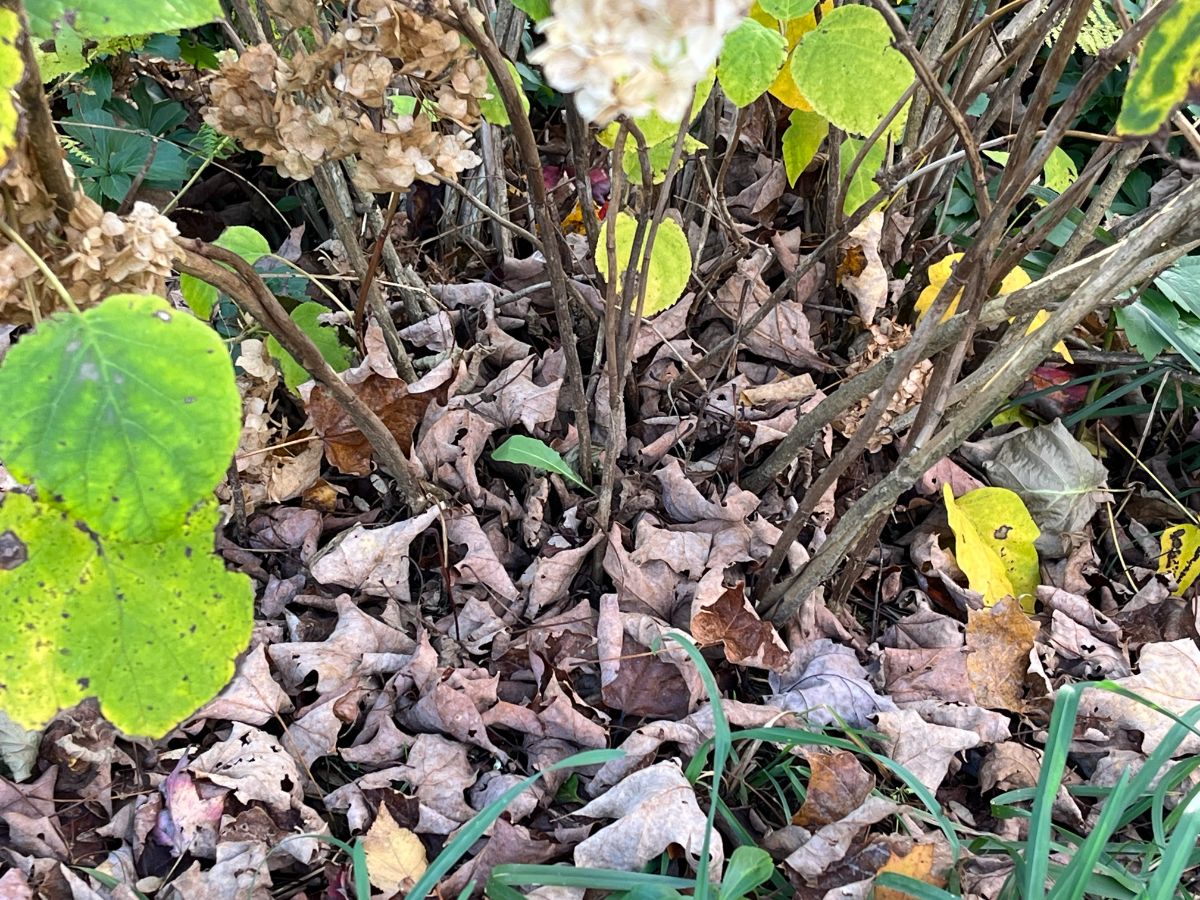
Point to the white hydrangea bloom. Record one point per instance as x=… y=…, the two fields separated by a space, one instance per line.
x=634 y=56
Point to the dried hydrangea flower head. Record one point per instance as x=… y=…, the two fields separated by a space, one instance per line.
x=633 y=57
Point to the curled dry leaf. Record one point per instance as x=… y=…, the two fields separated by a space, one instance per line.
x=924 y=749
x=1169 y=675
x=825 y=683
x=653 y=808
x=860 y=270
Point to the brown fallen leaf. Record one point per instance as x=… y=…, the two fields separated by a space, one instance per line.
x=838 y=784
x=253 y=697
x=348 y=448
x=373 y=561
x=395 y=856
x=999 y=639
x=828 y=844
x=860 y=270
x=732 y=621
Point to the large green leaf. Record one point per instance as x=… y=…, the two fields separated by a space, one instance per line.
x=151 y=629
x=93 y=19
x=750 y=59
x=848 y=70
x=1168 y=64
x=670 y=262
x=492 y=106
x=324 y=336
x=126 y=416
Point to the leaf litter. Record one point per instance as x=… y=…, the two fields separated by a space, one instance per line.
x=406 y=670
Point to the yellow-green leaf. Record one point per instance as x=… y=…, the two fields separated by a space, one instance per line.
x=805 y=132
x=787 y=9
x=1168 y=64
x=847 y=69
x=993 y=543
x=750 y=59
x=670 y=262
x=1180 y=555
x=492 y=106
x=12 y=70
x=862 y=186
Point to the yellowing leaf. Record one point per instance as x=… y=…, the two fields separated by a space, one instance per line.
x=750 y=57
x=670 y=262
x=805 y=132
x=1166 y=69
x=395 y=856
x=12 y=70
x=849 y=71
x=939 y=273
x=784 y=87
x=1180 y=555
x=917 y=863
x=993 y=543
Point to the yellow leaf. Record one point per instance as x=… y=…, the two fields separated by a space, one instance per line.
x=395 y=856
x=917 y=863
x=993 y=543
x=12 y=70
x=939 y=273
x=1038 y=321
x=784 y=87
x=1180 y=555
x=670 y=262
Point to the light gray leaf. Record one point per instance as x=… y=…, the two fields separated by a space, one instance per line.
x=1061 y=483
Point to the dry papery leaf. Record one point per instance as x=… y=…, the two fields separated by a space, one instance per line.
x=653 y=809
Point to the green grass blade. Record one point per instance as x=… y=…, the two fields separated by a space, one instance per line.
x=912 y=887
x=594 y=879
x=474 y=829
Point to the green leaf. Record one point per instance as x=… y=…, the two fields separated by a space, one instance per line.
x=535 y=9
x=750 y=59
x=151 y=629
x=787 y=9
x=670 y=262
x=324 y=336
x=126 y=416
x=243 y=240
x=94 y=19
x=805 y=132
x=1060 y=170
x=862 y=186
x=1138 y=321
x=12 y=70
x=1181 y=284
x=1167 y=65
x=527 y=451
x=659 y=156
x=848 y=70
x=492 y=106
